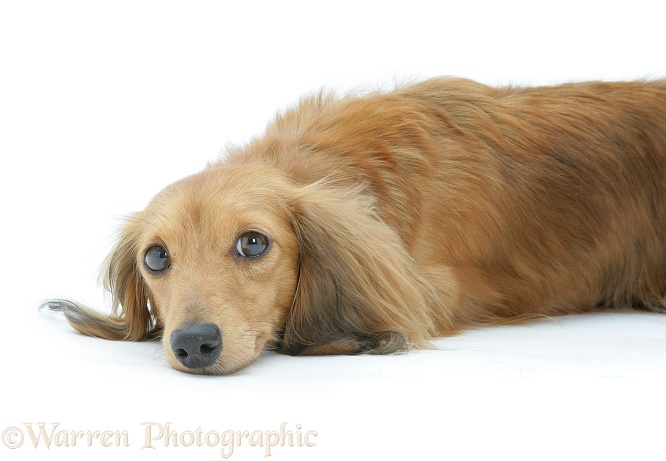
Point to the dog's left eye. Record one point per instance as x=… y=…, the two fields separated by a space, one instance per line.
x=252 y=244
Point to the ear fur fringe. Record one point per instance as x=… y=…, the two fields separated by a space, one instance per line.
x=132 y=317
x=358 y=288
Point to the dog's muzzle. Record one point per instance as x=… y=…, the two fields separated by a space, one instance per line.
x=197 y=346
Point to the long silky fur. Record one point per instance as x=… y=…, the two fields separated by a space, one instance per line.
x=133 y=316
x=354 y=280
x=424 y=211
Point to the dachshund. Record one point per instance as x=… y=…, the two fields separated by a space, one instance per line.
x=376 y=222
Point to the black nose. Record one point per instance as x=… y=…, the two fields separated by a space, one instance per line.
x=197 y=346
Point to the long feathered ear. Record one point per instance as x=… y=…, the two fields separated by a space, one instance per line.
x=358 y=289
x=133 y=316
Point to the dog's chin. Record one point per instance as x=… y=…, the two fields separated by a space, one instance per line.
x=220 y=367
x=216 y=369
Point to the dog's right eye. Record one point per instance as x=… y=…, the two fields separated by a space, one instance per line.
x=157 y=258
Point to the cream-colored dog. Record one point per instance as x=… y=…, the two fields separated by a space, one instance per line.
x=376 y=223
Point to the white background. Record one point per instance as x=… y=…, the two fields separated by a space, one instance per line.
x=104 y=103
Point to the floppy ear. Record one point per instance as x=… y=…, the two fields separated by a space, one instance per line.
x=358 y=289
x=133 y=315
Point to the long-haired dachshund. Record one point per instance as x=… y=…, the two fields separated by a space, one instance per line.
x=374 y=223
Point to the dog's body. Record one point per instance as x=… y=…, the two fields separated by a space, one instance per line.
x=375 y=223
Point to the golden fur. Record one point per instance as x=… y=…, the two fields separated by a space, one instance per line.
x=397 y=217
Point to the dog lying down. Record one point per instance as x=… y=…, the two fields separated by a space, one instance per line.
x=374 y=223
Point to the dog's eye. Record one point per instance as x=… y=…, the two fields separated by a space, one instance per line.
x=252 y=244
x=157 y=258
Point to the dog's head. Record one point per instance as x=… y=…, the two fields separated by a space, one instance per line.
x=219 y=260
x=237 y=258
